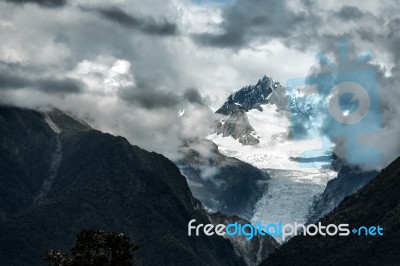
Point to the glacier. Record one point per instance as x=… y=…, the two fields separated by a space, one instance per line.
x=292 y=187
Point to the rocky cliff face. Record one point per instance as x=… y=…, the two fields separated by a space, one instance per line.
x=27 y=146
x=222 y=183
x=252 y=251
x=348 y=181
x=58 y=176
x=378 y=203
x=237 y=126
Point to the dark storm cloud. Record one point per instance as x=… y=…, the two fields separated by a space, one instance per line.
x=193 y=96
x=234 y=39
x=146 y=25
x=44 y=3
x=349 y=13
x=149 y=98
x=12 y=80
x=245 y=21
x=65 y=85
x=153 y=99
x=392 y=39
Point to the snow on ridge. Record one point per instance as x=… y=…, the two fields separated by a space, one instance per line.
x=51 y=124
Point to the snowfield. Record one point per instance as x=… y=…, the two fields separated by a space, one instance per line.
x=275 y=150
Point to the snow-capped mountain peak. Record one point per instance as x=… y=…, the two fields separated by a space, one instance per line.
x=252 y=96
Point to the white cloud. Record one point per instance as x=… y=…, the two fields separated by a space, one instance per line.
x=105 y=74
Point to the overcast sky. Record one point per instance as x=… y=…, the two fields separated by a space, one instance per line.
x=130 y=66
